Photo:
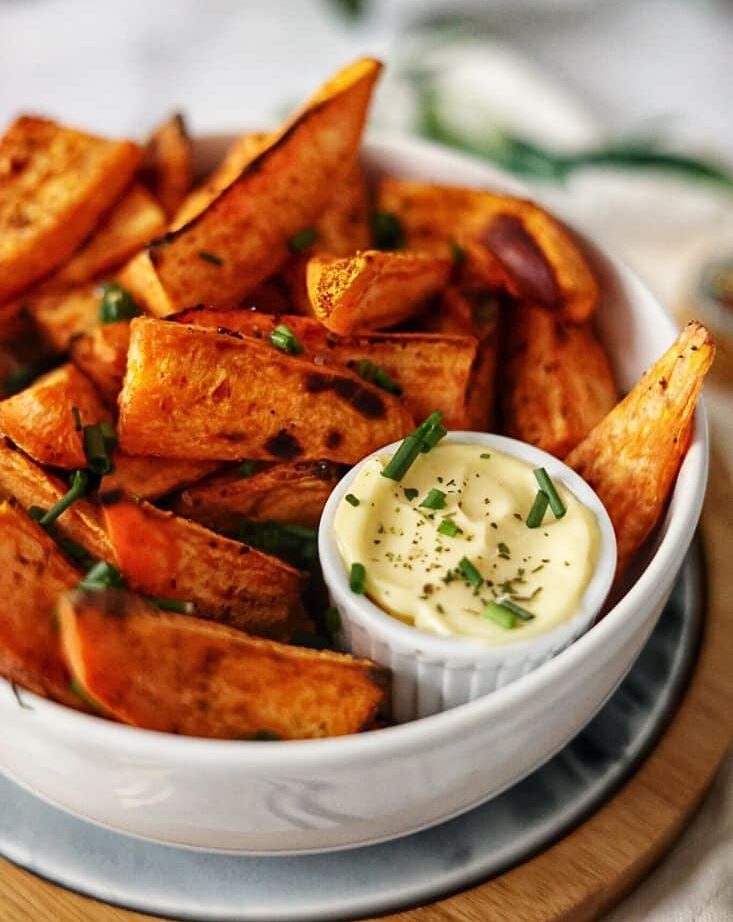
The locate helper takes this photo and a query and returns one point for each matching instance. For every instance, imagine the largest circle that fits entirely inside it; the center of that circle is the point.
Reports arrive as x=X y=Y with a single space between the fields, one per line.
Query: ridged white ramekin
x=431 y=673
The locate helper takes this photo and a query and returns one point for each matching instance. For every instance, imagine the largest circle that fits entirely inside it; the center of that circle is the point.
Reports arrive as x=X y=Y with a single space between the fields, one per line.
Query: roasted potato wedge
x=535 y=255
x=151 y=478
x=373 y=289
x=31 y=485
x=631 y=458
x=557 y=382
x=192 y=392
x=168 y=164
x=101 y=353
x=33 y=575
x=434 y=372
x=183 y=675
x=242 y=237
x=60 y=316
x=39 y=419
x=163 y=555
x=55 y=185
x=290 y=493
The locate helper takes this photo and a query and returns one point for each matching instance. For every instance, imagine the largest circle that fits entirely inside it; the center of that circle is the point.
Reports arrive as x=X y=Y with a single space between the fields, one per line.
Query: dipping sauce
x=438 y=566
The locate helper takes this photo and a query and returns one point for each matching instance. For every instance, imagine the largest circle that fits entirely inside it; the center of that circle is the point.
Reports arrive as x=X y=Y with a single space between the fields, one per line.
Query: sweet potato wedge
x=373 y=289
x=141 y=280
x=55 y=184
x=168 y=164
x=291 y=493
x=192 y=392
x=33 y=575
x=101 y=354
x=183 y=675
x=435 y=372
x=151 y=478
x=61 y=315
x=540 y=259
x=244 y=233
x=31 y=485
x=631 y=458
x=40 y=420
x=557 y=382
x=163 y=555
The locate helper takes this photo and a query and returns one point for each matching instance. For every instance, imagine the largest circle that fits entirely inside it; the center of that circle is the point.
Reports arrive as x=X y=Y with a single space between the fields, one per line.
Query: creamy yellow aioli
x=411 y=569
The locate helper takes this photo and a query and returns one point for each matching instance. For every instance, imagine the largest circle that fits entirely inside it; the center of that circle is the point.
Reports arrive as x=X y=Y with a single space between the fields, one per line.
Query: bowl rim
x=455 y=648
x=420 y=734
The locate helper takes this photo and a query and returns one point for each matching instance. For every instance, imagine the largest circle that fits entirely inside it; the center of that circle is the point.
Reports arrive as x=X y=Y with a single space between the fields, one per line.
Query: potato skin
x=101 y=354
x=151 y=478
x=163 y=555
x=195 y=393
x=534 y=255
x=28 y=483
x=33 y=574
x=182 y=675
x=290 y=493
x=373 y=289
x=433 y=370
x=168 y=164
x=558 y=382
x=632 y=457
x=281 y=192
x=39 y=419
x=55 y=185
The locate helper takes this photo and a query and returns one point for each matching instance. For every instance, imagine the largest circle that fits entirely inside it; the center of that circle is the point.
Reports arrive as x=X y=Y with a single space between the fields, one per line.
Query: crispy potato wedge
x=55 y=184
x=31 y=485
x=192 y=392
x=557 y=383
x=245 y=231
x=101 y=354
x=151 y=478
x=33 y=575
x=244 y=150
x=133 y=221
x=373 y=289
x=183 y=675
x=39 y=419
x=434 y=371
x=163 y=555
x=168 y=164
x=631 y=458
x=290 y=493
x=59 y=316
x=141 y=280
x=538 y=257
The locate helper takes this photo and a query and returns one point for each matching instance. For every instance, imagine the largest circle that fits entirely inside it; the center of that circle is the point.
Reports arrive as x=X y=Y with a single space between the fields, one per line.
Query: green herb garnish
x=546 y=484
x=117 y=304
x=294 y=543
x=211 y=258
x=357 y=578
x=102 y=576
x=448 y=527
x=302 y=240
x=425 y=437
x=470 y=573
x=387 y=231
x=537 y=512
x=99 y=443
x=332 y=621
x=499 y=615
x=410 y=493
x=485 y=455
x=176 y=605
x=351 y=499
x=376 y=375
x=79 y=484
x=282 y=337
x=503 y=550
x=517 y=610
x=434 y=500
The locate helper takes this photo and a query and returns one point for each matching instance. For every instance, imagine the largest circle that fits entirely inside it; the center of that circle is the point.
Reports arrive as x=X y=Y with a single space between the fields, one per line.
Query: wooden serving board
x=592 y=868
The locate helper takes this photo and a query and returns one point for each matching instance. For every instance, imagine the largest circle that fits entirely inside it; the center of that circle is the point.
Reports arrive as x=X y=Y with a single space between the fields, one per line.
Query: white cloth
x=119 y=66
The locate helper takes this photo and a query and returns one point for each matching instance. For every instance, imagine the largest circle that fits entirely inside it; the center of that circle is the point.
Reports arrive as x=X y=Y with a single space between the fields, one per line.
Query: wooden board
x=590 y=870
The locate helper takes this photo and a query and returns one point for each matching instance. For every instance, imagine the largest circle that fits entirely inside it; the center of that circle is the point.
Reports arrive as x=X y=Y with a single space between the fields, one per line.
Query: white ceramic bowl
x=320 y=794
x=431 y=673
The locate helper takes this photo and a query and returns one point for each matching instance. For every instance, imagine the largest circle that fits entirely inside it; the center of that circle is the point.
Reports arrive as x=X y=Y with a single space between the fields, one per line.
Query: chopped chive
x=517 y=610
x=79 y=483
x=410 y=493
x=294 y=543
x=500 y=615
x=117 y=304
x=357 y=578
x=503 y=550
x=425 y=437
x=537 y=512
x=176 y=605
x=332 y=620
x=282 y=337
x=458 y=253
x=301 y=638
x=546 y=484
x=246 y=468
x=302 y=240
x=470 y=573
x=448 y=527
x=211 y=258
x=99 y=441
x=485 y=455
x=434 y=500
x=351 y=499
x=102 y=576
x=77 y=419
x=36 y=512
x=266 y=736
x=73 y=550
x=376 y=375
x=387 y=231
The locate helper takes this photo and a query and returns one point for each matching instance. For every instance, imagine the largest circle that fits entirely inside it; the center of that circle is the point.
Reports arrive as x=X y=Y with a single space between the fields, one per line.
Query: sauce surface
x=413 y=570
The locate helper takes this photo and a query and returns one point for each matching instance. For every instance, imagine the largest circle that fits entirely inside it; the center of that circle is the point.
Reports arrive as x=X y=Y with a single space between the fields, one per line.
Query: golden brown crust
x=168 y=165
x=101 y=353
